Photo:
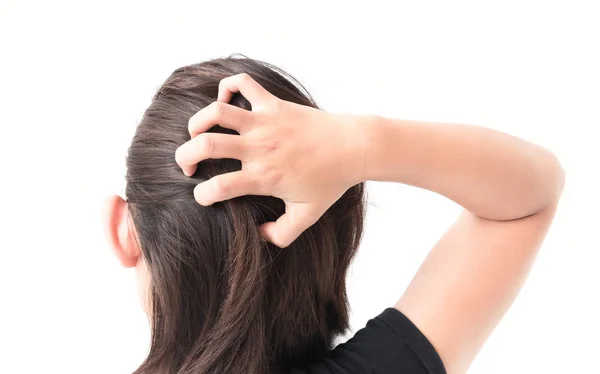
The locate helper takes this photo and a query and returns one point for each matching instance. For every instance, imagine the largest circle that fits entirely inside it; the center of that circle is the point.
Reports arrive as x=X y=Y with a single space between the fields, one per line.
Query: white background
x=76 y=78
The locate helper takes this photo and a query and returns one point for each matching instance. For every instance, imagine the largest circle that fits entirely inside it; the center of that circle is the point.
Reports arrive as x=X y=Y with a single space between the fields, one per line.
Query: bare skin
x=509 y=189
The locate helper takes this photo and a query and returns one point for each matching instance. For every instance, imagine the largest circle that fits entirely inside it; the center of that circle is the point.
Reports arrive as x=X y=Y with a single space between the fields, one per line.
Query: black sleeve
x=389 y=343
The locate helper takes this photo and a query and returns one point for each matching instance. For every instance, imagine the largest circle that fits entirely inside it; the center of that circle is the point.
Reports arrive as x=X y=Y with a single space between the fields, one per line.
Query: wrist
x=360 y=132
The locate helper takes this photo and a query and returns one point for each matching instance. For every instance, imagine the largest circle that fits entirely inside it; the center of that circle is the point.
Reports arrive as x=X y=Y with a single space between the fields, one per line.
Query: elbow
x=554 y=182
x=549 y=185
x=558 y=180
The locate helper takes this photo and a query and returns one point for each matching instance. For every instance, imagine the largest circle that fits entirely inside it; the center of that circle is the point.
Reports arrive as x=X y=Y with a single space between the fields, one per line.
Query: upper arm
x=469 y=280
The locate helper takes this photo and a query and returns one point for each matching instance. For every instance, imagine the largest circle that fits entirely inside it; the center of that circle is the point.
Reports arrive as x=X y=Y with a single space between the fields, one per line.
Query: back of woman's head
x=222 y=299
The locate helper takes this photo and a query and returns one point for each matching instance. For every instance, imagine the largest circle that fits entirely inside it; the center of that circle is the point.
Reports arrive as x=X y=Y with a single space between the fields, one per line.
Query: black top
x=390 y=343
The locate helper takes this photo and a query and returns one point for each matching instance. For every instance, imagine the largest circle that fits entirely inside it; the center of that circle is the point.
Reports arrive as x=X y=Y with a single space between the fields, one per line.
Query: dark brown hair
x=223 y=300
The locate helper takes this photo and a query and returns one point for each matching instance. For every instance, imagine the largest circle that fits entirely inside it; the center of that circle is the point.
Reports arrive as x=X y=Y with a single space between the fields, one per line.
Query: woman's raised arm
x=509 y=188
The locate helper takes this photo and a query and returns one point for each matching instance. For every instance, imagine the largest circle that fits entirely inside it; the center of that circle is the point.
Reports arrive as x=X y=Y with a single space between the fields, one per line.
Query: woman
x=244 y=210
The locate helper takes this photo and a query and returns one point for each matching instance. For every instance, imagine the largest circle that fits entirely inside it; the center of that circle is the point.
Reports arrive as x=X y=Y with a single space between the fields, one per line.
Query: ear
x=120 y=235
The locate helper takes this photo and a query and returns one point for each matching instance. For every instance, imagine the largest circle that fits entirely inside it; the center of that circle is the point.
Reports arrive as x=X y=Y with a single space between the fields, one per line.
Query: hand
x=302 y=155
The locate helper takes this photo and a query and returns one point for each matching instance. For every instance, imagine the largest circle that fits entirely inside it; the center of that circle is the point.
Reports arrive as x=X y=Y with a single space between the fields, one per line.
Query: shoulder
x=389 y=343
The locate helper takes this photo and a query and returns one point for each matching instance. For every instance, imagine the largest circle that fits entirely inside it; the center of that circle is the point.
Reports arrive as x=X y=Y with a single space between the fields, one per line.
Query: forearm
x=492 y=174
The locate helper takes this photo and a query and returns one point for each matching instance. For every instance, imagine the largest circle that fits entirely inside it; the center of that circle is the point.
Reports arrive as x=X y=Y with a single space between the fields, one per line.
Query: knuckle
x=218 y=108
x=207 y=144
x=265 y=178
x=270 y=145
x=282 y=242
x=275 y=104
x=245 y=77
x=272 y=178
x=262 y=169
x=221 y=187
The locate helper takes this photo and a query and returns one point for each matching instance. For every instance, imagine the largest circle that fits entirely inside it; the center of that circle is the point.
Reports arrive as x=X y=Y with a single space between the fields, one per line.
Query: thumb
x=295 y=220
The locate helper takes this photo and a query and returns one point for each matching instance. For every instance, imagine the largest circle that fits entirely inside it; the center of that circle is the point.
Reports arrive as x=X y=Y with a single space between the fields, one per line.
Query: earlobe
x=115 y=219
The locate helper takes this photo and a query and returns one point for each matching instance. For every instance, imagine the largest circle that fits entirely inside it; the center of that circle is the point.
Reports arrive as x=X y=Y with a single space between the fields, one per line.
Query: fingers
x=226 y=186
x=289 y=226
x=244 y=84
x=218 y=113
x=209 y=145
